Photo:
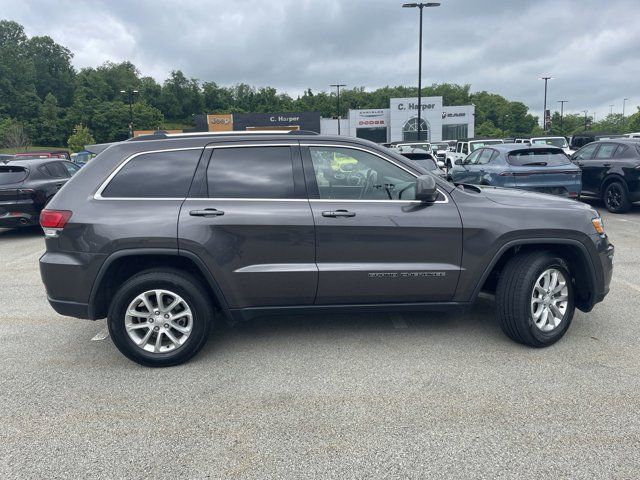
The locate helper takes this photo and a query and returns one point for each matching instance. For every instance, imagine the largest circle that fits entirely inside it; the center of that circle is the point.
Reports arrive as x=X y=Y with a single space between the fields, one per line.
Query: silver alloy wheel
x=549 y=300
x=158 y=321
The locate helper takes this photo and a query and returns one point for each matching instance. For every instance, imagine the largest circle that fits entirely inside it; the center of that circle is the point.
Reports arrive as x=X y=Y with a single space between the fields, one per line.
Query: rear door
x=248 y=218
x=374 y=242
x=595 y=169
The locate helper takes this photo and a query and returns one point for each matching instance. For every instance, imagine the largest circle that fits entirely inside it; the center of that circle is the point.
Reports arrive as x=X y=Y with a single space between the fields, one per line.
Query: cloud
x=590 y=47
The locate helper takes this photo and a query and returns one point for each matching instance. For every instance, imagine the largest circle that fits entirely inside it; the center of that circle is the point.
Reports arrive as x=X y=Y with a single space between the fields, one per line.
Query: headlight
x=598 y=225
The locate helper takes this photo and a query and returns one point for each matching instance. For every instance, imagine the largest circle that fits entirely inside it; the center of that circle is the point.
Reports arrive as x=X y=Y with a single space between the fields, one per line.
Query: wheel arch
x=609 y=179
x=123 y=264
x=572 y=251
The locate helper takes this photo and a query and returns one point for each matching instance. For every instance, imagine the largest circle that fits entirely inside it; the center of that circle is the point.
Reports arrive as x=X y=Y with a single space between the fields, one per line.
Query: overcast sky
x=591 y=47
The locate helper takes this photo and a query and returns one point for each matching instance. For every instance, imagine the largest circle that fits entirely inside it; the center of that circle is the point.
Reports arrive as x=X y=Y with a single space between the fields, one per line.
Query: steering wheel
x=355 y=179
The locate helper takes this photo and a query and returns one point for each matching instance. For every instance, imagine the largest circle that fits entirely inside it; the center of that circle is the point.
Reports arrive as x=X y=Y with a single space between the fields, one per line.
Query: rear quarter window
x=12 y=174
x=155 y=175
x=538 y=157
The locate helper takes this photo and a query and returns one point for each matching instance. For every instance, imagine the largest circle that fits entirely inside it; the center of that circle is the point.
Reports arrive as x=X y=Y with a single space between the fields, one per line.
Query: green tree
x=15 y=136
x=80 y=138
x=633 y=122
x=53 y=72
x=48 y=131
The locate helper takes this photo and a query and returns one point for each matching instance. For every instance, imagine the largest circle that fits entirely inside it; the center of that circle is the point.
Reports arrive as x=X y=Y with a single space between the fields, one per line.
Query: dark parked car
x=579 y=140
x=543 y=169
x=611 y=171
x=158 y=235
x=425 y=162
x=27 y=185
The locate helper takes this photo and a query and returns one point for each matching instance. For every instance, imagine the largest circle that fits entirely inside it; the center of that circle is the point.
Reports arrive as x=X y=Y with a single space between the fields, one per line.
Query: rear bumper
x=68 y=278
x=16 y=214
x=70 y=309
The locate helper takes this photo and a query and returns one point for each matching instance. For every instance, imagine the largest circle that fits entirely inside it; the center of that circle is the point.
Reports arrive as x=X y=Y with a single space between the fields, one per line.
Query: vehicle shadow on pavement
x=283 y=331
x=23 y=232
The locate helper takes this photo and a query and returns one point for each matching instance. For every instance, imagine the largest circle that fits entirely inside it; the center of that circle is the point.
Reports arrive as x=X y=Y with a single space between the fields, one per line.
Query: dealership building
x=400 y=121
x=397 y=123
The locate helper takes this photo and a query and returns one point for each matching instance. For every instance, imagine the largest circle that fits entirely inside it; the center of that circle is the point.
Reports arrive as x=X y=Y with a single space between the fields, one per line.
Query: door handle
x=207 y=212
x=59 y=185
x=606 y=164
x=338 y=213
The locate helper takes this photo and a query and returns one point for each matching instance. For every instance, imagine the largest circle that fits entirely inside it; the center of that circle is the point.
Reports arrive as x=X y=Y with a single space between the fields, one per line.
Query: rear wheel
x=534 y=299
x=160 y=318
x=616 y=197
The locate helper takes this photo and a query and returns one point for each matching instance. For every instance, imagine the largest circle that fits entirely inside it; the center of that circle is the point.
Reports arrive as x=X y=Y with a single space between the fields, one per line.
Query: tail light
x=54 y=219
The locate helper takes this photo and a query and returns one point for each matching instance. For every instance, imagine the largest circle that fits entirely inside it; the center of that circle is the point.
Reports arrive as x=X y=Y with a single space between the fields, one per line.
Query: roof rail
x=160 y=134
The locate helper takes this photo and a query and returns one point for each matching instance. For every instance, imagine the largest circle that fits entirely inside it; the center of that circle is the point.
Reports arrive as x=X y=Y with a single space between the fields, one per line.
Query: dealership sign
x=370 y=118
x=414 y=106
x=450 y=115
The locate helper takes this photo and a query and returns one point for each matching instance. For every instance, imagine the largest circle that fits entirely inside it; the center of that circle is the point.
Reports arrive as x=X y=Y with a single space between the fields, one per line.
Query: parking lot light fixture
x=544 y=111
x=420 y=6
x=585 y=119
x=337 y=86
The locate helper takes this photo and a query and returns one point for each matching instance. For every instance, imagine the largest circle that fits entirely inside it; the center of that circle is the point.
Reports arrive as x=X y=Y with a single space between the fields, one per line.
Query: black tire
x=176 y=281
x=616 y=197
x=513 y=298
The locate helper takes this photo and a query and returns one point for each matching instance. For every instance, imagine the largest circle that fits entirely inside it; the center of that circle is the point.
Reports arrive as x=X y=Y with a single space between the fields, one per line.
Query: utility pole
x=624 y=100
x=130 y=94
x=337 y=86
x=562 y=102
x=611 y=109
x=420 y=6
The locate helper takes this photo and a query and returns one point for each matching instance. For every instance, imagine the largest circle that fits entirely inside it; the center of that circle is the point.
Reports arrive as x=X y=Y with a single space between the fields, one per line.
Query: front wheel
x=160 y=318
x=535 y=299
x=616 y=197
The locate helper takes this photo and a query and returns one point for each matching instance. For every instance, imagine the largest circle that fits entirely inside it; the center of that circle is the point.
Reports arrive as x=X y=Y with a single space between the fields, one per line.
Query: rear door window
x=12 y=174
x=541 y=157
x=71 y=168
x=251 y=172
x=155 y=175
x=606 y=151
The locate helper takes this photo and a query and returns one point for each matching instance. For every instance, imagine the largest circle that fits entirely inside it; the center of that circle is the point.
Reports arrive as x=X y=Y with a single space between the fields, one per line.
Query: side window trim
x=107 y=181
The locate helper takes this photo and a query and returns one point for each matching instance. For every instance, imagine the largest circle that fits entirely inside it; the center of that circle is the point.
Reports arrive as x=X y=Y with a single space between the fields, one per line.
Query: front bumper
x=606 y=252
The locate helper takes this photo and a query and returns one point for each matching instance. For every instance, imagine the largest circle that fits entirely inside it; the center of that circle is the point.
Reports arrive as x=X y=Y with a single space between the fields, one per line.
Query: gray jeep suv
x=160 y=233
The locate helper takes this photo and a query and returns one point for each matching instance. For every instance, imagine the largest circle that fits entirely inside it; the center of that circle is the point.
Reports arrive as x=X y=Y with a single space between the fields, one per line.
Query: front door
x=589 y=167
x=249 y=220
x=374 y=242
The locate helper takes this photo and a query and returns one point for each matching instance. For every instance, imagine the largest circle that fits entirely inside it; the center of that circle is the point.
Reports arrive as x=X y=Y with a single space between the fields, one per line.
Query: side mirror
x=440 y=164
x=426 y=189
x=458 y=161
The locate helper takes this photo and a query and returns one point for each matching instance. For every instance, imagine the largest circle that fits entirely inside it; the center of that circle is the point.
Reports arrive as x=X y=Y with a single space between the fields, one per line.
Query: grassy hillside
x=30 y=149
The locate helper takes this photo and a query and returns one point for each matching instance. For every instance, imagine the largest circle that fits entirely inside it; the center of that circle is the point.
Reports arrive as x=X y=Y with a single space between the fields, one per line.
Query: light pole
x=544 y=111
x=130 y=95
x=611 y=109
x=562 y=102
x=337 y=86
x=585 y=119
x=624 y=100
x=420 y=6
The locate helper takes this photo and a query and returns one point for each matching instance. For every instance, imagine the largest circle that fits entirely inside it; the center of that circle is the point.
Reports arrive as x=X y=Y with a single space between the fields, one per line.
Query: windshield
x=440 y=146
x=476 y=145
x=82 y=158
x=559 y=142
x=540 y=157
x=12 y=174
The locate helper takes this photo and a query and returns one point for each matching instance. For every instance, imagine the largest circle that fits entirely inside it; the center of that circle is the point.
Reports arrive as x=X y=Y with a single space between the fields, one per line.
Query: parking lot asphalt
x=368 y=396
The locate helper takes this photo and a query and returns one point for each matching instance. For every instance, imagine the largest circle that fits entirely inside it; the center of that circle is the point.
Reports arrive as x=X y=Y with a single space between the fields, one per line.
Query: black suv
x=158 y=234
x=611 y=171
x=27 y=185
